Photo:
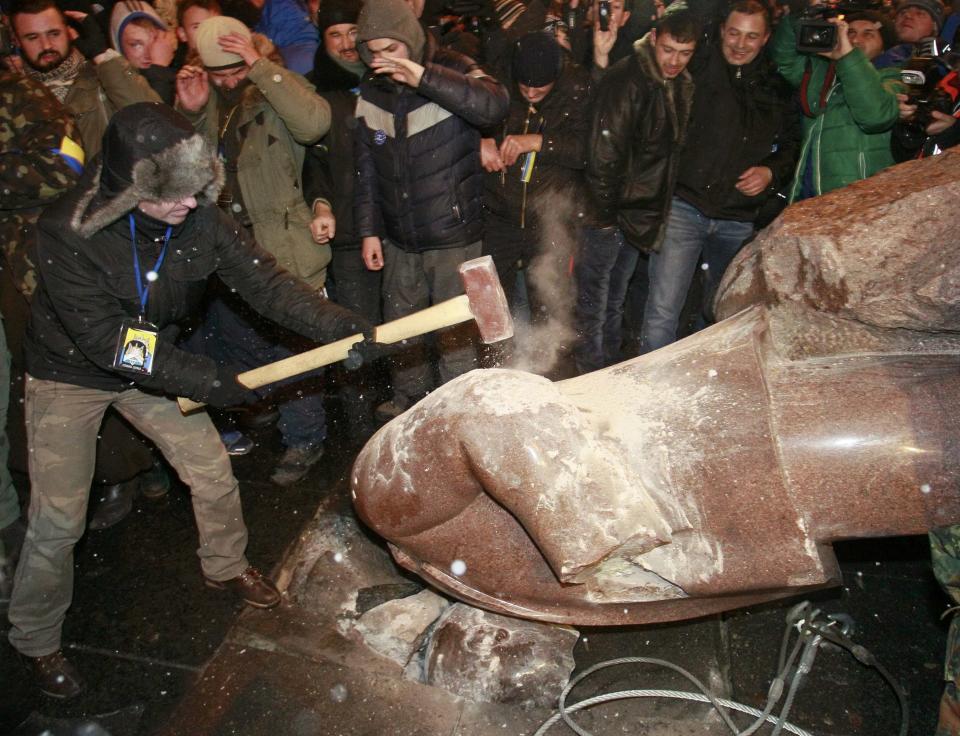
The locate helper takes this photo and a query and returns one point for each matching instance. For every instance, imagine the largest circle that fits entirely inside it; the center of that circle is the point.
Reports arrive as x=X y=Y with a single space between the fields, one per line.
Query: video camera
x=922 y=74
x=816 y=34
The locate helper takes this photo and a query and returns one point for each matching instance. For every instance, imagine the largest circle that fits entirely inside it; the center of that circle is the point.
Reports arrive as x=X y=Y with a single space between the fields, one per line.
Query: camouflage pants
x=945 y=555
x=62 y=423
x=9 y=504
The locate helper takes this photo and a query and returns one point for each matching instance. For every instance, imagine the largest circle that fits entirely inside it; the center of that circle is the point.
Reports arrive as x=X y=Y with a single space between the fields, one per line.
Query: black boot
x=114 y=503
x=155 y=482
x=258 y=416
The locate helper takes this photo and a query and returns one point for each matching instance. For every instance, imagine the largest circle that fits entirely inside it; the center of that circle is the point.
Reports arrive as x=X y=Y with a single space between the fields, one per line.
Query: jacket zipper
x=820 y=118
x=523 y=198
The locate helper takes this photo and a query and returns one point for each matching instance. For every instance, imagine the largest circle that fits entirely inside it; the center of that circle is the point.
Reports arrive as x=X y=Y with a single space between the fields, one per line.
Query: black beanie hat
x=150 y=152
x=335 y=12
x=537 y=59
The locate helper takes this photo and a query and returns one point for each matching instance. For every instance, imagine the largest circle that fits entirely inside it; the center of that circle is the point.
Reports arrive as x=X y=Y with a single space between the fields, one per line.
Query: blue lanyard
x=144 y=291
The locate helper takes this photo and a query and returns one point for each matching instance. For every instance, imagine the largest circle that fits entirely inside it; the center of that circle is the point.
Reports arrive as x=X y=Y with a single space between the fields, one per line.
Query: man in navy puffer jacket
x=420 y=179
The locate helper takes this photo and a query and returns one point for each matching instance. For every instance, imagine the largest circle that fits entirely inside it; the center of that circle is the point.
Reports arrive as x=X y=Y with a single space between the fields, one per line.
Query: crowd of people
x=196 y=188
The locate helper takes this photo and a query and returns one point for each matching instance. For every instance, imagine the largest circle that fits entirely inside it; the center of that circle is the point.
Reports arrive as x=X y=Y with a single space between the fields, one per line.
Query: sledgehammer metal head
x=488 y=303
x=483 y=301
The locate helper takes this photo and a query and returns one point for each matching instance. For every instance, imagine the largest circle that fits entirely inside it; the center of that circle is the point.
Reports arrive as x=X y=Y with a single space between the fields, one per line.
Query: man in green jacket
x=849 y=109
x=261 y=117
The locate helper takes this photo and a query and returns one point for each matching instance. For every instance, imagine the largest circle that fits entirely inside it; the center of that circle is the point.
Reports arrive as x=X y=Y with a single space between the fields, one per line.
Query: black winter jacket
x=743 y=116
x=329 y=171
x=418 y=153
x=87 y=289
x=563 y=119
x=639 y=123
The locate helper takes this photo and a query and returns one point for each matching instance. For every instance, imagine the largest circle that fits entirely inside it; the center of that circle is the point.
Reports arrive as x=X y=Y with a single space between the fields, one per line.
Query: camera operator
x=917 y=135
x=849 y=106
x=603 y=39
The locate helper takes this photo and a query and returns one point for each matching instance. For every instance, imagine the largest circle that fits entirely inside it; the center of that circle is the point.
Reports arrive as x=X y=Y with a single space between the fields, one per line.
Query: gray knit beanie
x=390 y=19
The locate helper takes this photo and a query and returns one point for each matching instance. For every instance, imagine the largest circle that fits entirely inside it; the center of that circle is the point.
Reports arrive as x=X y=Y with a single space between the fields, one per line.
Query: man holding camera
x=741 y=146
x=849 y=108
x=603 y=41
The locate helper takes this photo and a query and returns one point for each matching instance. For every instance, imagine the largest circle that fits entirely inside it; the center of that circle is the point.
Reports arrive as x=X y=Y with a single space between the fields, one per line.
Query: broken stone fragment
x=394 y=629
x=489 y=658
x=376 y=595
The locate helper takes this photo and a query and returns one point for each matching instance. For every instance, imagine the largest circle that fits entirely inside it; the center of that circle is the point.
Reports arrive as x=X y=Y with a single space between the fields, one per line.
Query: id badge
x=136 y=347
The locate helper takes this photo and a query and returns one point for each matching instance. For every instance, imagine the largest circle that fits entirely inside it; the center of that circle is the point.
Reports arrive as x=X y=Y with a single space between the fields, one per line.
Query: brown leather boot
x=54 y=675
x=251 y=586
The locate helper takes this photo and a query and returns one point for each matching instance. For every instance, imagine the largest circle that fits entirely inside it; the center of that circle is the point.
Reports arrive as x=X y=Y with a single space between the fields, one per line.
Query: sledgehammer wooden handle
x=446 y=314
x=292 y=366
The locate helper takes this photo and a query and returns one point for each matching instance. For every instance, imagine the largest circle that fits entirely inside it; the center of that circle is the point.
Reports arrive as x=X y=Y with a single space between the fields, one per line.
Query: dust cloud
x=539 y=344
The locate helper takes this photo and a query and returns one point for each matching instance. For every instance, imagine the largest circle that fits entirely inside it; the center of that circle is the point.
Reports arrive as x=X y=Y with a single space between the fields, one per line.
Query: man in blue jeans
x=640 y=118
x=741 y=147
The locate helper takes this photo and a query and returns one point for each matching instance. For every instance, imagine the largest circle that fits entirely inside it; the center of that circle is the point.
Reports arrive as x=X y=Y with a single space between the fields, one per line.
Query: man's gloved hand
x=226 y=391
x=365 y=352
x=90 y=41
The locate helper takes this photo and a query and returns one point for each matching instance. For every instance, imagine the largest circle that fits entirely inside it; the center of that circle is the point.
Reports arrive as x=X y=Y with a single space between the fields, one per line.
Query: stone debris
x=488 y=658
x=395 y=629
x=376 y=595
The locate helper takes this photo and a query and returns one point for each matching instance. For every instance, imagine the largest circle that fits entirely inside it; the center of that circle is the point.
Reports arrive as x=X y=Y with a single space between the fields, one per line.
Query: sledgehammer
x=483 y=300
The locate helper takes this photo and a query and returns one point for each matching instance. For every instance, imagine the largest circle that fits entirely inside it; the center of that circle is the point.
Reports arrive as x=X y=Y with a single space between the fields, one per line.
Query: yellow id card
x=136 y=347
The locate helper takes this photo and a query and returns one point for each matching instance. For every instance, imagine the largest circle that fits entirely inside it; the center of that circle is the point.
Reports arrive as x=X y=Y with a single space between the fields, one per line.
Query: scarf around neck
x=58 y=80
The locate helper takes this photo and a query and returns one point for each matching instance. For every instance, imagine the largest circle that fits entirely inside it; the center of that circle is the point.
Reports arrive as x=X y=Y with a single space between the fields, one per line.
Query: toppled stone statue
x=716 y=472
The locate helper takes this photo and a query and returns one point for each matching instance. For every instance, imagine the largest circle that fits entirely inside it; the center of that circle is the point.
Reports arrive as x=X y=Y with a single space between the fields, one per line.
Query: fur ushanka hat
x=150 y=152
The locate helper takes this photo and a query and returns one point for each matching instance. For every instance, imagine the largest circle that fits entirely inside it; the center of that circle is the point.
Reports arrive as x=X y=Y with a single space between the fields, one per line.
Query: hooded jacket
x=127 y=10
x=417 y=150
x=639 y=124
